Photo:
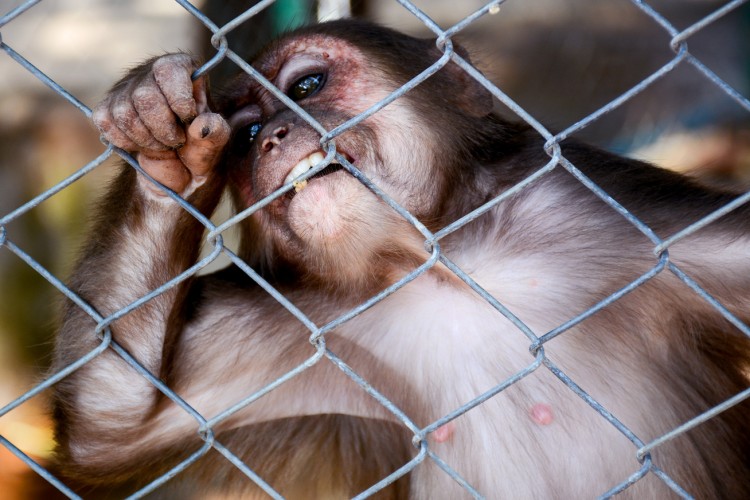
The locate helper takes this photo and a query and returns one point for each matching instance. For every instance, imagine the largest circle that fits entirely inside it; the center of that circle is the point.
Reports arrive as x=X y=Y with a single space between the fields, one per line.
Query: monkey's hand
x=161 y=116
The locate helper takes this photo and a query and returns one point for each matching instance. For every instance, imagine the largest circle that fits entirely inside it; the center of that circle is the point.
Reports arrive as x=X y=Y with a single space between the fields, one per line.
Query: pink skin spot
x=541 y=413
x=444 y=432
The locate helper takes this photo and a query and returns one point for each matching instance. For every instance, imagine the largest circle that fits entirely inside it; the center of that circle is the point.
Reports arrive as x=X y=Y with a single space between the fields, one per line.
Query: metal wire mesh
x=678 y=42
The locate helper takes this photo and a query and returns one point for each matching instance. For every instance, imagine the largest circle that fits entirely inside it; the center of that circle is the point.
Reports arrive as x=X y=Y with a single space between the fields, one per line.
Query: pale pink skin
x=541 y=413
x=444 y=432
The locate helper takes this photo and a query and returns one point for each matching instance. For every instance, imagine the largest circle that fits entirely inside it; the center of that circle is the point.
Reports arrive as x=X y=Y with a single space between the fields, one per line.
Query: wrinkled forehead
x=273 y=57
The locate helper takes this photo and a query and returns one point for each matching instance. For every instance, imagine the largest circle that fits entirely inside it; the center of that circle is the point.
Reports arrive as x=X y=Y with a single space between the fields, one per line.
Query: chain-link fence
x=677 y=39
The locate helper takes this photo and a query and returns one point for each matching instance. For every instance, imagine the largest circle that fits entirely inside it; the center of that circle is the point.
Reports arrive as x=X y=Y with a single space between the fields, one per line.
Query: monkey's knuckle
x=172 y=65
x=145 y=97
x=124 y=116
x=101 y=117
x=179 y=58
x=124 y=119
x=143 y=92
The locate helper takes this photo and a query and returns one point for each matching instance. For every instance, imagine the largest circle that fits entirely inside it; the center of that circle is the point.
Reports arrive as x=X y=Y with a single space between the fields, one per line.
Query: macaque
x=655 y=358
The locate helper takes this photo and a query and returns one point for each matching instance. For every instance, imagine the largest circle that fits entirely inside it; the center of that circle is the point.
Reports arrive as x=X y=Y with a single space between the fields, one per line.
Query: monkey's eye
x=306 y=86
x=251 y=132
x=245 y=137
x=247 y=134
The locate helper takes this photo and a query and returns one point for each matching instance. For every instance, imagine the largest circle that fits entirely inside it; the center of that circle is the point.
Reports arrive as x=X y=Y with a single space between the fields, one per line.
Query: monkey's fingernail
x=205 y=131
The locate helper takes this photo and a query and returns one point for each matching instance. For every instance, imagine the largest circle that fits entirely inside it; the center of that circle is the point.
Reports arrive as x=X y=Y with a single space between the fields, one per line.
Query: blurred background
x=559 y=59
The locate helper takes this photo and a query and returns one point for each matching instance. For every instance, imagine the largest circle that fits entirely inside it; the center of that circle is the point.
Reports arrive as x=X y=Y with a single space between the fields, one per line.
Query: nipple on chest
x=541 y=413
x=444 y=432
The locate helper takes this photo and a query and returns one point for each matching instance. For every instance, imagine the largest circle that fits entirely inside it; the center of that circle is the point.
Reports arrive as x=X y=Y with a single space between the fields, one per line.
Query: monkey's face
x=331 y=222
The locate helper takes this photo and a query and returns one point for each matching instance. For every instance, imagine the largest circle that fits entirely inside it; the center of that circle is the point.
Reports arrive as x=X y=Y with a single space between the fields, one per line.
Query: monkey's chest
x=458 y=367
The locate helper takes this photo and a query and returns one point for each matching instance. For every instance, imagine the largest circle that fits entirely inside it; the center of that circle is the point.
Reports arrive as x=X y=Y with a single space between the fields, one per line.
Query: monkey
x=464 y=326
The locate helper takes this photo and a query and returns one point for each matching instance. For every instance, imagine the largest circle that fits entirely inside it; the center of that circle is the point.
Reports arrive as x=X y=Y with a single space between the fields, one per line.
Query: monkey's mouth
x=304 y=166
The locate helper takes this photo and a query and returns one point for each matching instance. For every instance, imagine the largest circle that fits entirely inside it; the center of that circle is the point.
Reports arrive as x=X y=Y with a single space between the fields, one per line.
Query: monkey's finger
x=127 y=120
x=200 y=94
x=165 y=167
x=106 y=124
x=172 y=73
x=206 y=138
x=154 y=111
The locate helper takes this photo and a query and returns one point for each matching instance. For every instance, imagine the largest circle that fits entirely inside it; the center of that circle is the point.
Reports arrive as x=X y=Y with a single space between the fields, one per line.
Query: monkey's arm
x=112 y=423
x=140 y=240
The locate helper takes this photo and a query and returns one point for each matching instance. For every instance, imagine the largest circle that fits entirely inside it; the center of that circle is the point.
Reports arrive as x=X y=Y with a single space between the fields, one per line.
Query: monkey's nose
x=274 y=139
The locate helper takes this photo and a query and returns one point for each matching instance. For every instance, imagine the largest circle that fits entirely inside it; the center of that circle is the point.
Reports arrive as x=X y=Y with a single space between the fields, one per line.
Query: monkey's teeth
x=300 y=168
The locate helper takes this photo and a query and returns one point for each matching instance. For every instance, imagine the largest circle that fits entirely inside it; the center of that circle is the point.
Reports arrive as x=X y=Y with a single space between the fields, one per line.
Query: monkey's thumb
x=206 y=138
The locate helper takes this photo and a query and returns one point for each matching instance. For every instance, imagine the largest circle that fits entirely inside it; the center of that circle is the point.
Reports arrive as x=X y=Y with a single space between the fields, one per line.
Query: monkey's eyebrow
x=244 y=115
x=242 y=92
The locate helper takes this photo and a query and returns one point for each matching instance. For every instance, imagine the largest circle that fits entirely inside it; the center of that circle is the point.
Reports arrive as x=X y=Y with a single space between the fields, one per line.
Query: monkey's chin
x=334 y=212
x=327 y=209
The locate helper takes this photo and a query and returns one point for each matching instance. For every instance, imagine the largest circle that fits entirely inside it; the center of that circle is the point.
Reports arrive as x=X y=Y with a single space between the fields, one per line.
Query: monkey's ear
x=470 y=95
